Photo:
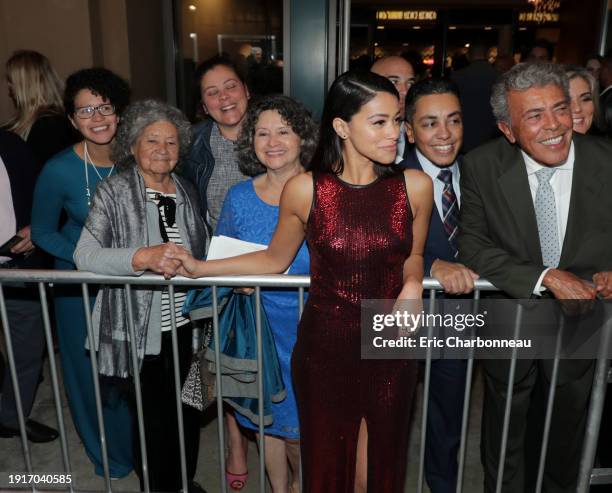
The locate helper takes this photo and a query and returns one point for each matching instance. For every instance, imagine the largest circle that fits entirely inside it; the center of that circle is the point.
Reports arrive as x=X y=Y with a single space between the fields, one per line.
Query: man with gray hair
x=535 y=221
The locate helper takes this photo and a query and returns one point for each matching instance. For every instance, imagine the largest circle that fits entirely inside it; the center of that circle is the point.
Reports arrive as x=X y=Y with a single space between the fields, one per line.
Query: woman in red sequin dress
x=366 y=224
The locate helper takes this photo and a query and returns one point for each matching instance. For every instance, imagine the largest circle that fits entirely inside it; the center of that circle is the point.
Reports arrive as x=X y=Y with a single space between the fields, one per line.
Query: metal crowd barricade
x=41 y=278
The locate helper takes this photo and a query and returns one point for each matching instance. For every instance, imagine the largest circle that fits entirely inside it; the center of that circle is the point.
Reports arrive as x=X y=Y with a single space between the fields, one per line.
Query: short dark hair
x=346 y=96
x=541 y=43
x=427 y=87
x=101 y=82
x=215 y=61
x=293 y=113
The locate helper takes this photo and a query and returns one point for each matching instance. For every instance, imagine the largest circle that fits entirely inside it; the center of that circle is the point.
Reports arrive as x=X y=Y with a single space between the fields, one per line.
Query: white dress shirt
x=561 y=183
x=438 y=185
x=8 y=223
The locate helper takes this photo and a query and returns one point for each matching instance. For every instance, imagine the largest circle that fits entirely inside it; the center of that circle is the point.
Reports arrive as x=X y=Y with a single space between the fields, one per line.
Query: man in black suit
x=18 y=171
x=434 y=125
x=605 y=97
x=535 y=217
x=475 y=83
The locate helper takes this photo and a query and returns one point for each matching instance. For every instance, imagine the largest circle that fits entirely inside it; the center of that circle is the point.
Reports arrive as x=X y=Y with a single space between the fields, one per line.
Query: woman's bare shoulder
x=300 y=185
x=417 y=177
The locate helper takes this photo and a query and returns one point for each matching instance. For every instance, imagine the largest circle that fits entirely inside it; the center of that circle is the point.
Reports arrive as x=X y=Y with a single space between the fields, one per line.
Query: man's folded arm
x=477 y=251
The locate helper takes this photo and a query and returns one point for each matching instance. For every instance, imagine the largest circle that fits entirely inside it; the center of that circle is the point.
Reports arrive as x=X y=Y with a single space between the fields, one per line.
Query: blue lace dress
x=246 y=217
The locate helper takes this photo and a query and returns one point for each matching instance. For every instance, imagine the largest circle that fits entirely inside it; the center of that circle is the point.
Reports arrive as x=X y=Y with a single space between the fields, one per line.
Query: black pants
x=28 y=337
x=160 y=418
x=446 y=394
x=530 y=394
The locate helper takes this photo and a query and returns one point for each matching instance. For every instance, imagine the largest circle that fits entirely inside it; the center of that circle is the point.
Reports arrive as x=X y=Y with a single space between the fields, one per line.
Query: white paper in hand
x=225 y=247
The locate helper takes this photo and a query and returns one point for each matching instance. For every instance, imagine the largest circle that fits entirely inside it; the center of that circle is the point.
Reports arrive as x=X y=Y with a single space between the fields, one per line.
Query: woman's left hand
x=25 y=245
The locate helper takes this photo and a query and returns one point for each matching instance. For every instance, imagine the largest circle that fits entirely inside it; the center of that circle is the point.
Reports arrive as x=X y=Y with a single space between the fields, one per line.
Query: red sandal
x=236 y=481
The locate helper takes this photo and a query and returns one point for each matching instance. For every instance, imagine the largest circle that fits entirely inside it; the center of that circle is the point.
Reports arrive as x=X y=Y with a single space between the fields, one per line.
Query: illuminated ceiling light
x=193 y=35
x=192 y=7
x=375 y=44
x=380 y=27
x=467 y=45
x=416 y=27
x=522 y=29
x=488 y=28
x=452 y=28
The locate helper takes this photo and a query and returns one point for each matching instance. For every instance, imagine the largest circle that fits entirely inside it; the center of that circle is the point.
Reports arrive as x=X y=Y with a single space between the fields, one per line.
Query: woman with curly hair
x=278 y=137
x=93 y=100
x=134 y=216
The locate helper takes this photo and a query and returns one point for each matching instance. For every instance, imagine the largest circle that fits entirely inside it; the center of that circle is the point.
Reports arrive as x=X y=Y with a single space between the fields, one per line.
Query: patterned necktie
x=546 y=216
x=450 y=208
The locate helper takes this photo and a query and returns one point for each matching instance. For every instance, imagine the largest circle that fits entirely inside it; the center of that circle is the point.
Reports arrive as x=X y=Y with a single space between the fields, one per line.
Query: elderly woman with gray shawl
x=134 y=216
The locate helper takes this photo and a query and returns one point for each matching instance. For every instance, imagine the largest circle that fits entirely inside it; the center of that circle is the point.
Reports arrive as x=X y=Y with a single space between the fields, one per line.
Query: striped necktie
x=450 y=208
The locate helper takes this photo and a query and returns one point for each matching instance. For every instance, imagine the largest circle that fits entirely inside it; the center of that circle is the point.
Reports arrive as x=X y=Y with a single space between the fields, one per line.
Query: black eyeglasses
x=86 y=112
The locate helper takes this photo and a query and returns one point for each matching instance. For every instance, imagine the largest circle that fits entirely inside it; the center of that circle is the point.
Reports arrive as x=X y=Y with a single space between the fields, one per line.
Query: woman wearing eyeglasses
x=93 y=100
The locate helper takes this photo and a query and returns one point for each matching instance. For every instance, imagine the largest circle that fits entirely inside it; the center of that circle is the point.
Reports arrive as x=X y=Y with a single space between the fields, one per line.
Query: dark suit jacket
x=22 y=169
x=436 y=245
x=498 y=233
x=475 y=83
x=605 y=110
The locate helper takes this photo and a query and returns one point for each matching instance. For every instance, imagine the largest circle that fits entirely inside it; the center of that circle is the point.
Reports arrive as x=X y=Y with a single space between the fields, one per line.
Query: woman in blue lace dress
x=278 y=136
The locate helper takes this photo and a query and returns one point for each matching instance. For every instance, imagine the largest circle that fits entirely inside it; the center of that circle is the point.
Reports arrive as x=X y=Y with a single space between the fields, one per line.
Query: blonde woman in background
x=584 y=100
x=36 y=91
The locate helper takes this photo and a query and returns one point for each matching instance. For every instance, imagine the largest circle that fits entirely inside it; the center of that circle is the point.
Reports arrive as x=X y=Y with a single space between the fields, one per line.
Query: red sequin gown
x=358 y=238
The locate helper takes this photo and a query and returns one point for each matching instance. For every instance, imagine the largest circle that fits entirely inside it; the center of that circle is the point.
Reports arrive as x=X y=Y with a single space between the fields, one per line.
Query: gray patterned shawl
x=117 y=219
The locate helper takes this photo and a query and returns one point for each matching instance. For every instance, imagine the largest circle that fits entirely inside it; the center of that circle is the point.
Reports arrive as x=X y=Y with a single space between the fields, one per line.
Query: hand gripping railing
x=43 y=277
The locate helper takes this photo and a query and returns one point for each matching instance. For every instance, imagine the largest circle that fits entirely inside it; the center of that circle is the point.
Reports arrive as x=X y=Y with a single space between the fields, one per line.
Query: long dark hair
x=346 y=96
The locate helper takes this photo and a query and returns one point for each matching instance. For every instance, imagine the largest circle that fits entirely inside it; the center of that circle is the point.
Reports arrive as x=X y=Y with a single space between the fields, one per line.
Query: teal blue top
x=61 y=185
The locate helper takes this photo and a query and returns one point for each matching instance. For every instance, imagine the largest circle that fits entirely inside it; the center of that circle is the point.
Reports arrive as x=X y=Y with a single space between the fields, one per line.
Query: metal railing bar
x=465 y=417
x=13 y=372
x=137 y=389
x=220 y=420
x=177 y=389
x=426 y=381
x=549 y=406
x=42 y=292
x=300 y=300
x=96 y=385
x=601 y=476
x=508 y=407
x=300 y=311
x=260 y=393
x=150 y=279
x=596 y=404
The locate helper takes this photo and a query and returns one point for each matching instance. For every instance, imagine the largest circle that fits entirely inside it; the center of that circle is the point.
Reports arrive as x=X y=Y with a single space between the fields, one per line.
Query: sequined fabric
x=359 y=238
